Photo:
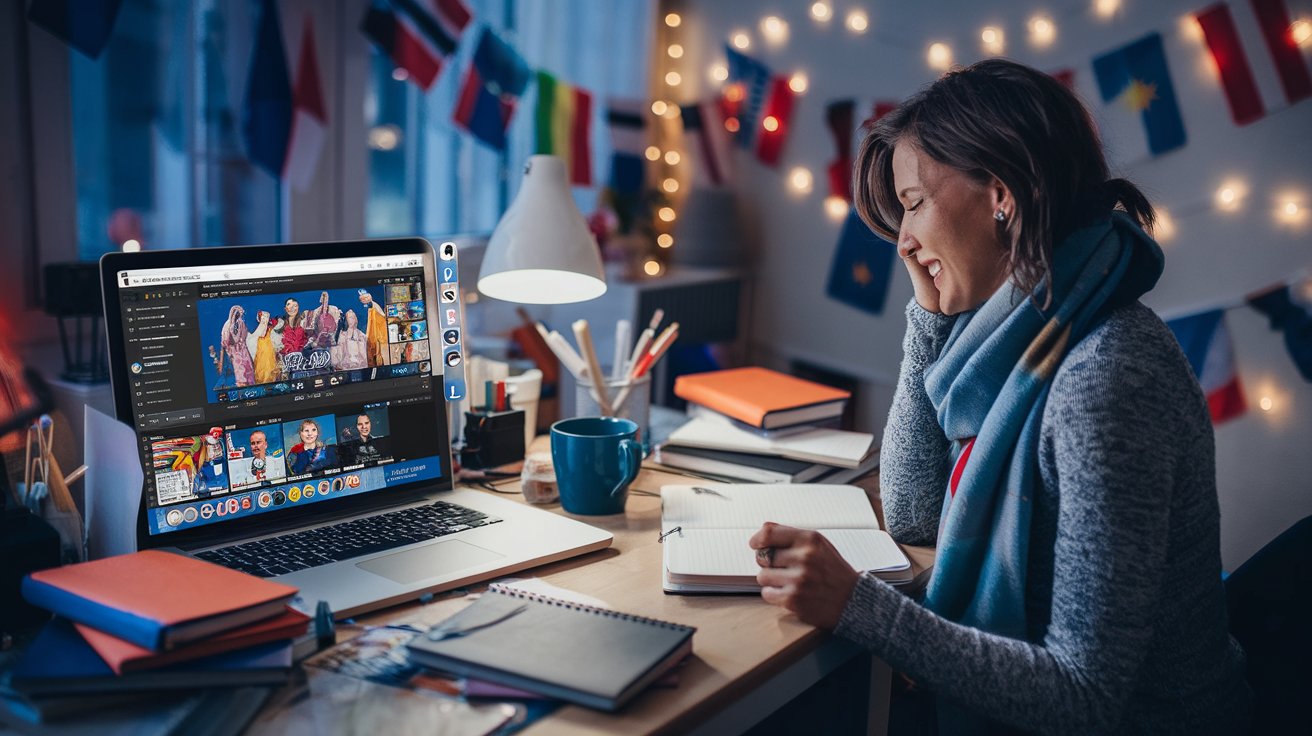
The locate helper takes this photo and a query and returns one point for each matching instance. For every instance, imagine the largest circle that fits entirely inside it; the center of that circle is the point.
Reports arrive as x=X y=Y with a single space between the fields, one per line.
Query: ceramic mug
x=596 y=458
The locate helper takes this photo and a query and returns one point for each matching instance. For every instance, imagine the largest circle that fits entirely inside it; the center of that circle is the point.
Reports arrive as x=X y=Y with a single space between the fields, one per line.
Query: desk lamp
x=542 y=251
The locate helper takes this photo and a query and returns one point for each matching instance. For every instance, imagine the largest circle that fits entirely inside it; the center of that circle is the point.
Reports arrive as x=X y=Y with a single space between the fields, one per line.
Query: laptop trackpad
x=427 y=562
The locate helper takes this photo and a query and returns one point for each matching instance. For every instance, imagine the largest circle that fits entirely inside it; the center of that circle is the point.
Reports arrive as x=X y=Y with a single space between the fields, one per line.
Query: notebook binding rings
x=529 y=596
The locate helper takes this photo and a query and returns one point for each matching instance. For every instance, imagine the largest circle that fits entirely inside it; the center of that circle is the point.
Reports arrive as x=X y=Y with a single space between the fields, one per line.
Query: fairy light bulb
x=822 y=12
x=1164 y=226
x=673 y=79
x=672 y=111
x=732 y=125
x=666 y=214
x=992 y=40
x=673 y=20
x=1106 y=8
x=741 y=40
x=652 y=268
x=719 y=72
x=1191 y=29
x=734 y=93
x=665 y=240
x=835 y=207
x=670 y=185
x=770 y=123
x=798 y=83
x=675 y=51
x=774 y=30
x=939 y=56
x=1266 y=403
x=1290 y=210
x=1301 y=31
x=800 y=180
x=653 y=153
x=658 y=107
x=672 y=158
x=858 y=21
x=1230 y=195
x=1042 y=31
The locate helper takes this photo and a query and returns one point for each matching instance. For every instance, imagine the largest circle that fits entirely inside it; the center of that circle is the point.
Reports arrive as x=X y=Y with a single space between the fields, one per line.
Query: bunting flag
x=1066 y=77
x=1242 y=91
x=627 y=121
x=1136 y=77
x=714 y=160
x=564 y=126
x=493 y=83
x=83 y=24
x=309 y=115
x=1206 y=344
x=268 y=114
x=750 y=78
x=840 y=117
x=862 y=266
x=776 y=122
x=417 y=35
x=1293 y=320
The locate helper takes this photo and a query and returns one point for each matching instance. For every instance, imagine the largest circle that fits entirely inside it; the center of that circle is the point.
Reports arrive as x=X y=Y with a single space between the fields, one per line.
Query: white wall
x=1263 y=466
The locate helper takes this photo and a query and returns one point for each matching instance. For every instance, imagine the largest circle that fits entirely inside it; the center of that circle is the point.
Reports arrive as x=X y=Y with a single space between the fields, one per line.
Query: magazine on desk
x=706 y=528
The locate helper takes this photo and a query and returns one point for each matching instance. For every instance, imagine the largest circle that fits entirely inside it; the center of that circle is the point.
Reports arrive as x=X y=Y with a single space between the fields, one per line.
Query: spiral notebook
x=590 y=656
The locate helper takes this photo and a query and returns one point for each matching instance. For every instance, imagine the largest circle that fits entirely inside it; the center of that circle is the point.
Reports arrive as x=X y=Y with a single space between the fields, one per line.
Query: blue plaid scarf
x=990 y=383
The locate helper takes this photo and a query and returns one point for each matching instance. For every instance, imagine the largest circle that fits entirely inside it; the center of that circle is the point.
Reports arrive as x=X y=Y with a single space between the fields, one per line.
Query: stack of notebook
x=149 y=627
x=761 y=426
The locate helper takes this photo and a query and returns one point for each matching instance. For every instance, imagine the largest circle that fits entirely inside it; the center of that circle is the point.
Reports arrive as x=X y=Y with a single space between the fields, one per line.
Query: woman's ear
x=1001 y=199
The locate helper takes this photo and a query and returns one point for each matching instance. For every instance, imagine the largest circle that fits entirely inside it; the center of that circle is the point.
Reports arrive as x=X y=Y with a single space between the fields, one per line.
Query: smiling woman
x=1046 y=434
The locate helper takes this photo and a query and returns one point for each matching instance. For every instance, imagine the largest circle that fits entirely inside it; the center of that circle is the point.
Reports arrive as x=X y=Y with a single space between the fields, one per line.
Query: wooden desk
x=748 y=659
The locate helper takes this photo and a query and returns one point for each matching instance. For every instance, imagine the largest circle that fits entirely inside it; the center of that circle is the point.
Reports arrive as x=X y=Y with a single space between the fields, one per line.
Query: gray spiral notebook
x=581 y=654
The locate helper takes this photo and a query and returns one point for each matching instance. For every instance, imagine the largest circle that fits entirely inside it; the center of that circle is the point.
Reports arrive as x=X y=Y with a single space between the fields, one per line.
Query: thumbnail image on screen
x=364 y=438
x=256 y=457
x=311 y=445
x=189 y=467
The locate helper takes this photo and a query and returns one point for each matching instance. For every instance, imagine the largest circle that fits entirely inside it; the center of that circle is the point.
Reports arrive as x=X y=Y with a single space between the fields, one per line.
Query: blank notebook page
x=724 y=552
x=748 y=506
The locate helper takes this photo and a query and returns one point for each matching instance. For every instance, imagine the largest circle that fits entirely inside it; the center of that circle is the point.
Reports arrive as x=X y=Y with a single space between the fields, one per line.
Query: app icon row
x=264 y=499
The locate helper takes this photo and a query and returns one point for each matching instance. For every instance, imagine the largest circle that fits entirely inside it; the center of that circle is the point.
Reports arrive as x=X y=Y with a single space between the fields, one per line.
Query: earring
x=1000 y=216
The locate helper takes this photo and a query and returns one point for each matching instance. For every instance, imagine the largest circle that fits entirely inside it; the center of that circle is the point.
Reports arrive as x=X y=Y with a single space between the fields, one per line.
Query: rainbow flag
x=564 y=126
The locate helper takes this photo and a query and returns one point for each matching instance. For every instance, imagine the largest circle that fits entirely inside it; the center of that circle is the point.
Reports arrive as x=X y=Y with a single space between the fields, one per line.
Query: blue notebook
x=60 y=662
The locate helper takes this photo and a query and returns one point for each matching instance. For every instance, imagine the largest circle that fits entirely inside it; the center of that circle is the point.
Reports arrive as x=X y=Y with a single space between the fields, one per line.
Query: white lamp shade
x=542 y=251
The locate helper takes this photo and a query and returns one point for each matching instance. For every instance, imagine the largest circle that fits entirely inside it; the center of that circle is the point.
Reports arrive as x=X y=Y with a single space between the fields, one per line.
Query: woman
x=292 y=333
x=375 y=329
x=1046 y=432
x=267 y=369
x=311 y=455
x=233 y=339
x=352 y=349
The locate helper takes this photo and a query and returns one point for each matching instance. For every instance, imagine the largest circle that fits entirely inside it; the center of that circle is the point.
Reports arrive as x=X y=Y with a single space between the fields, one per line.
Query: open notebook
x=709 y=551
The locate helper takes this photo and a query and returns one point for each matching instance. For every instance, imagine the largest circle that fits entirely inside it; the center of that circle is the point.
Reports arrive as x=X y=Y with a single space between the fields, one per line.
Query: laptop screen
x=259 y=388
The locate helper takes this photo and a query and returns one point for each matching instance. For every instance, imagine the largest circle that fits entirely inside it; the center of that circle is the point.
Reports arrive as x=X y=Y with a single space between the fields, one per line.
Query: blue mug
x=596 y=458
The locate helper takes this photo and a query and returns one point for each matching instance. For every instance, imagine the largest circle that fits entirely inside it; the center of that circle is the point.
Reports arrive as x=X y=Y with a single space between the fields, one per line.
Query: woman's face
x=292 y=306
x=948 y=228
x=351 y=319
x=310 y=434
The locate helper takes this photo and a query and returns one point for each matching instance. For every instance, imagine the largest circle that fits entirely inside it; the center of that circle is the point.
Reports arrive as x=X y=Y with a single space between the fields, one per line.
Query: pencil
x=584 y=337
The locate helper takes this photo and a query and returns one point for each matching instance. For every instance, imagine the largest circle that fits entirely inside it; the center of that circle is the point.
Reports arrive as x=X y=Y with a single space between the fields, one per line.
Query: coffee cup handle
x=630 y=463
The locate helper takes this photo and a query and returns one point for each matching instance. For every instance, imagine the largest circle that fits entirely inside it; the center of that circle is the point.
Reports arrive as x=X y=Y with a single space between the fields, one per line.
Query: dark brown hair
x=999 y=118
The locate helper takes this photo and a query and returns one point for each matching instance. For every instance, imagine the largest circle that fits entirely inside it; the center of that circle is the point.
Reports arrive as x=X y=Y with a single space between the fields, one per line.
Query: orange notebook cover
x=752 y=395
x=124 y=656
x=157 y=600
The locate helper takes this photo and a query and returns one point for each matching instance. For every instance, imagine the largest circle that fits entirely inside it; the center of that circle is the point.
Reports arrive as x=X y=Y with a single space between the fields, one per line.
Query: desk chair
x=1270 y=603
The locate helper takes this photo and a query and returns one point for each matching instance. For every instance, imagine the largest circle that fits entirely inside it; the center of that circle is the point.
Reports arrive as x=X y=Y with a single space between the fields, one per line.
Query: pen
x=645 y=362
x=584 y=337
x=623 y=332
x=644 y=342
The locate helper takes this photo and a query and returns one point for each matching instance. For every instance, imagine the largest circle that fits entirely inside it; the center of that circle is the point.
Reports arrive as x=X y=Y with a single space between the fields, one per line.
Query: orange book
x=155 y=599
x=762 y=398
x=124 y=656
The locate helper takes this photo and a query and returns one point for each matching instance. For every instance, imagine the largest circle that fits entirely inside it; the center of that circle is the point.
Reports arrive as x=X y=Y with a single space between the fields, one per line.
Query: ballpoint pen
x=645 y=362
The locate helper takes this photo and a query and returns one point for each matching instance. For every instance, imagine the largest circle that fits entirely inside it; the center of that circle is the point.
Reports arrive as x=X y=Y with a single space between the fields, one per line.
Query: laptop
x=290 y=404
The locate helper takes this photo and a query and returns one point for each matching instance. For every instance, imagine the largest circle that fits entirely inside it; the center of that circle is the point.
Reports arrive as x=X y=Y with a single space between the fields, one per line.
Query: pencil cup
x=636 y=406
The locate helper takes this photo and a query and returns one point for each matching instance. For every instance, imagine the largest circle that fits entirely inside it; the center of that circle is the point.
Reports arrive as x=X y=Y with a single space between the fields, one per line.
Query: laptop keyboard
x=320 y=546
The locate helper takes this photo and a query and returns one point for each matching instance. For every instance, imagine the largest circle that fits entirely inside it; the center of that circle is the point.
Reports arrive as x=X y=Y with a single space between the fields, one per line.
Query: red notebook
x=124 y=656
x=761 y=397
x=154 y=599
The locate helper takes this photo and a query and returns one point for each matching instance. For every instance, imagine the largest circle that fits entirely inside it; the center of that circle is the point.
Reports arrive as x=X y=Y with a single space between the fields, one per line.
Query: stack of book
x=150 y=629
x=761 y=426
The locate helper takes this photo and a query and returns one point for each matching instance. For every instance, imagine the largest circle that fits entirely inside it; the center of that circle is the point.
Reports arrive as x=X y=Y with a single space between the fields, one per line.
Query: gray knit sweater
x=1125 y=606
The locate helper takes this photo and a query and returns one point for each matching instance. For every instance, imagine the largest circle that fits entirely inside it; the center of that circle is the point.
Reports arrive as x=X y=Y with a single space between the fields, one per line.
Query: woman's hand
x=802 y=572
x=921 y=281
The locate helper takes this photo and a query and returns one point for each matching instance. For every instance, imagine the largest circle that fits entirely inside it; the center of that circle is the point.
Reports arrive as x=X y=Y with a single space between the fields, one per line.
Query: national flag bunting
x=417 y=35
x=268 y=114
x=751 y=78
x=627 y=120
x=776 y=121
x=1206 y=344
x=840 y=117
x=1136 y=77
x=564 y=126
x=1238 y=78
x=83 y=24
x=703 y=120
x=1293 y=320
x=862 y=266
x=493 y=83
x=309 y=127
